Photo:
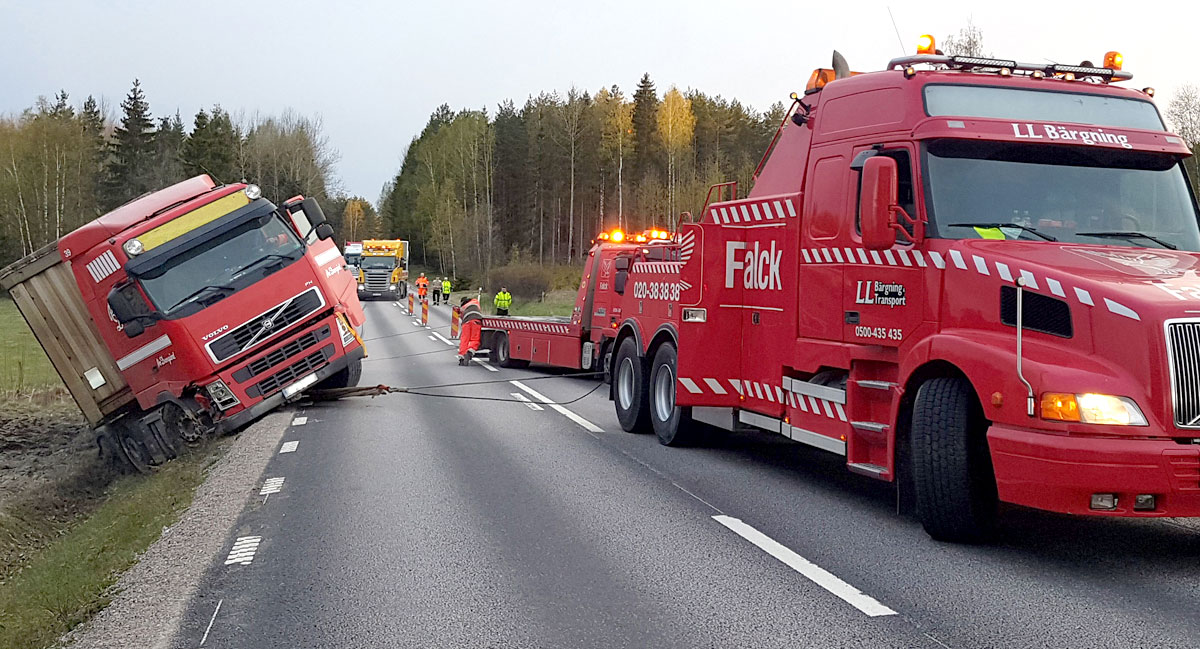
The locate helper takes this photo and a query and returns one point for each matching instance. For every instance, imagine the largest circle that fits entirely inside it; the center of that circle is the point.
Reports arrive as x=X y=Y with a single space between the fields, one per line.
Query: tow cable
x=334 y=394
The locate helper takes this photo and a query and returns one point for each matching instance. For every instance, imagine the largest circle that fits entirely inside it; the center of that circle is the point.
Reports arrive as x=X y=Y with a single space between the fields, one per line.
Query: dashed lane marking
x=812 y=571
x=587 y=425
x=299 y=421
x=485 y=364
x=289 y=447
x=210 y=622
x=271 y=486
x=433 y=338
x=243 y=550
x=524 y=399
x=444 y=339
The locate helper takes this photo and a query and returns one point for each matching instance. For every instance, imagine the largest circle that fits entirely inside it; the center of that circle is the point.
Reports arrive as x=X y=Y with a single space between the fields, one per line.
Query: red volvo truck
x=192 y=310
x=974 y=276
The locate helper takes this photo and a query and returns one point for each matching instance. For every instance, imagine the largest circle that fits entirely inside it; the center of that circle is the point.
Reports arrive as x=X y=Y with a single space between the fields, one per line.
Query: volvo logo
x=267 y=324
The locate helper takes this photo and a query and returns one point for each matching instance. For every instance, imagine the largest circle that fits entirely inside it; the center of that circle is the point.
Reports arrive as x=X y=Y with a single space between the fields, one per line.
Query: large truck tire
x=631 y=389
x=672 y=424
x=502 y=357
x=133 y=446
x=347 y=377
x=952 y=469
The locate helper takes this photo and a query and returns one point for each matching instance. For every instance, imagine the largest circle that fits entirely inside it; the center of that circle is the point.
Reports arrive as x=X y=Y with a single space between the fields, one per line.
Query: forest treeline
x=537 y=182
x=63 y=165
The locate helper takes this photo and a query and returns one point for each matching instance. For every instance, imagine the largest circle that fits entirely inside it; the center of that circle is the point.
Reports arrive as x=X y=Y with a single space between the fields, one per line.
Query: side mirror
x=878 y=203
x=312 y=209
x=324 y=231
x=130 y=309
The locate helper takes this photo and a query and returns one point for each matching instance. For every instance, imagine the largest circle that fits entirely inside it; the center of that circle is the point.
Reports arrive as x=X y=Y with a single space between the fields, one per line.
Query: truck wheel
x=672 y=424
x=133 y=448
x=952 y=470
x=500 y=344
x=347 y=377
x=631 y=389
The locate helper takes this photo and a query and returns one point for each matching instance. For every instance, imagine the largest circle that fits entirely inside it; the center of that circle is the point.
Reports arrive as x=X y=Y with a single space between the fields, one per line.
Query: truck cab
x=383 y=271
x=216 y=306
x=979 y=273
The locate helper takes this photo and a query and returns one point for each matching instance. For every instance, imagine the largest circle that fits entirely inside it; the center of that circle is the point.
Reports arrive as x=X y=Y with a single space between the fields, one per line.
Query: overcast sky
x=373 y=71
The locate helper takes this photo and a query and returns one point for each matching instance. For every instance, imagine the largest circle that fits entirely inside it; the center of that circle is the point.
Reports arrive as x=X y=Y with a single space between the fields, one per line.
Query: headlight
x=1092 y=408
x=391 y=287
x=222 y=395
x=253 y=192
x=362 y=287
x=133 y=247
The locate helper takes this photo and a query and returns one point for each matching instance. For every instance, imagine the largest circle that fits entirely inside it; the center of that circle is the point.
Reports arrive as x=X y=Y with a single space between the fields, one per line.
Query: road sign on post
x=425 y=311
x=410 y=304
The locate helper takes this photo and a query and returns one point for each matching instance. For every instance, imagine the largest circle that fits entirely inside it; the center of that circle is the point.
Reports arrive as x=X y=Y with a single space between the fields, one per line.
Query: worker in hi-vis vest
x=446 y=289
x=472 y=319
x=502 y=301
x=422 y=286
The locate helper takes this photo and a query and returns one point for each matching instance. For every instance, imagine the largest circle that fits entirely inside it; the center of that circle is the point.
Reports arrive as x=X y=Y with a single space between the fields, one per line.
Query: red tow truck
x=974 y=276
x=191 y=310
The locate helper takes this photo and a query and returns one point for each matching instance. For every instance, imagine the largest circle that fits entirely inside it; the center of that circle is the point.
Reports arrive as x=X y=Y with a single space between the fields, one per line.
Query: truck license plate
x=299 y=386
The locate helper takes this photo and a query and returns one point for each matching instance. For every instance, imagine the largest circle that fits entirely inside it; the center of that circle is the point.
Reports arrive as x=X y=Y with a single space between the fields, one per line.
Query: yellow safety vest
x=503 y=300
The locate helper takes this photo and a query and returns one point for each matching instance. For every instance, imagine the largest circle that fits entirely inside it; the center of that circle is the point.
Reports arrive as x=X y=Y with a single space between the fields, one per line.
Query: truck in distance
x=189 y=311
x=353 y=254
x=384 y=269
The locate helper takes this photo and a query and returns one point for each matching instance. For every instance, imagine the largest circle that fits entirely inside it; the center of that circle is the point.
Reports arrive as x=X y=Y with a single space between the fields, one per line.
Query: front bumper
x=247 y=415
x=1060 y=472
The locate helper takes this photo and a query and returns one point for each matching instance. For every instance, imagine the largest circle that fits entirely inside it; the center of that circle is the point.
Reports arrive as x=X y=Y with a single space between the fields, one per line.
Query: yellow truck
x=383 y=272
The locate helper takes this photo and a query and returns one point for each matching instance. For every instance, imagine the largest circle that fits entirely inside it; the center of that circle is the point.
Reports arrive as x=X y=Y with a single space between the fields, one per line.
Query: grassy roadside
x=69 y=580
x=559 y=303
x=24 y=367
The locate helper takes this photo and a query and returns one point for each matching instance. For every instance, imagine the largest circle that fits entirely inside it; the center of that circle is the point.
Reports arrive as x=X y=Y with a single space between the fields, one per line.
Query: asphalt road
x=420 y=521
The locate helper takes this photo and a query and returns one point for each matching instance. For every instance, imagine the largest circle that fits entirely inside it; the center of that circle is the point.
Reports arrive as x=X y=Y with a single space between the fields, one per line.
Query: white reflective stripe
x=840 y=411
x=770 y=397
x=849 y=255
x=779 y=209
x=1055 y=287
x=816 y=255
x=791 y=208
x=862 y=255
x=1121 y=309
x=715 y=386
x=828 y=410
x=145 y=351
x=891 y=260
x=936 y=257
x=904 y=257
x=956 y=256
x=800 y=401
x=980 y=265
x=1005 y=273
x=825 y=252
x=807 y=259
x=690 y=385
x=757 y=390
x=754 y=209
x=1030 y=280
x=737 y=386
x=779 y=393
x=919 y=257
x=816 y=405
x=745 y=214
x=1084 y=297
x=327 y=256
x=875 y=258
x=837 y=254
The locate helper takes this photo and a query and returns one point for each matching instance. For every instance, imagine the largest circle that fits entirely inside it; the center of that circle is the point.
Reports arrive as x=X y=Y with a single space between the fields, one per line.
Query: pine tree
x=130 y=170
x=212 y=147
x=168 y=151
x=645 y=127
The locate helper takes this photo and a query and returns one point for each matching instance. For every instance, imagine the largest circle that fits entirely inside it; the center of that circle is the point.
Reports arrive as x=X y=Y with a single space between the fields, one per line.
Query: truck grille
x=287 y=375
x=1183 y=354
x=277 y=357
x=261 y=327
x=377 y=281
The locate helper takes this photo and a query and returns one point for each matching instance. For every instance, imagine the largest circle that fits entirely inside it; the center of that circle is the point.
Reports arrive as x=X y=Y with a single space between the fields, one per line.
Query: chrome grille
x=265 y=325
x=282 y=378
x=1183 y=354
x=377 y=281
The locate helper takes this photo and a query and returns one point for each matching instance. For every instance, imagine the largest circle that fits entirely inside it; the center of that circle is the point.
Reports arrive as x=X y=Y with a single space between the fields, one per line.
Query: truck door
x=883 y=289
x=824 y=223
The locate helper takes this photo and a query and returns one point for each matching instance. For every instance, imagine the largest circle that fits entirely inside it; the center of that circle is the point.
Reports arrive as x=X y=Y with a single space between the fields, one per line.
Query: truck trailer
x=192 y=310
x=975 y=277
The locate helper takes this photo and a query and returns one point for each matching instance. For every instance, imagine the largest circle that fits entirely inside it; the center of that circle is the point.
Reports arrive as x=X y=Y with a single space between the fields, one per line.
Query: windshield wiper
x=200 y=291
x=1129 y=234
x=1018 y=226
x=273 y=256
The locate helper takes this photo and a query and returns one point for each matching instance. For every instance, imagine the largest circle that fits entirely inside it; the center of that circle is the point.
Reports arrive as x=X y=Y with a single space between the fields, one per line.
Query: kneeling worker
x=472 y=317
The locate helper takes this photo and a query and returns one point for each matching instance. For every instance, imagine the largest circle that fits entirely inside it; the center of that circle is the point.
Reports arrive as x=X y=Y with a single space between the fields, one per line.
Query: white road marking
x=271 y=486
x=299 y=421
x=416 y=323
x=587 y=425
x=243 y=550
x=210 y=622
x=289 y=447
x=444 y=339
x=433 y=338
x=524 y=399
x=484 y=363
x=812 y=571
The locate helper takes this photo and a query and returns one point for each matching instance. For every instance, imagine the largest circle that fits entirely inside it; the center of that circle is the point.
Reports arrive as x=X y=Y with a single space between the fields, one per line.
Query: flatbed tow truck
x=974 y=277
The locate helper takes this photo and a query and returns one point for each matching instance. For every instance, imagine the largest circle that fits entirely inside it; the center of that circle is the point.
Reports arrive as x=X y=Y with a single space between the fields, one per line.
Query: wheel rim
x=664 y=393
x=625 y=383
x=135 y=453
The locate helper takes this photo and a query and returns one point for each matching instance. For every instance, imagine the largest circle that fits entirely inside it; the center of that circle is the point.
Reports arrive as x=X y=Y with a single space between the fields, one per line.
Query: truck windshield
x=378 y=262
x=1071 y=194
x=226 y=262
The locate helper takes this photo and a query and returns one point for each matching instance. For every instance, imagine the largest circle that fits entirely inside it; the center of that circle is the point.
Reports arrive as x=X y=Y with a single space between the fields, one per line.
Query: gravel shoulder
x=150 y=599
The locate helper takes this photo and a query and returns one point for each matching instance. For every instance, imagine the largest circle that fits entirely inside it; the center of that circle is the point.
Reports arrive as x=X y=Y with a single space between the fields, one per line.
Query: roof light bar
x=975 y=62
